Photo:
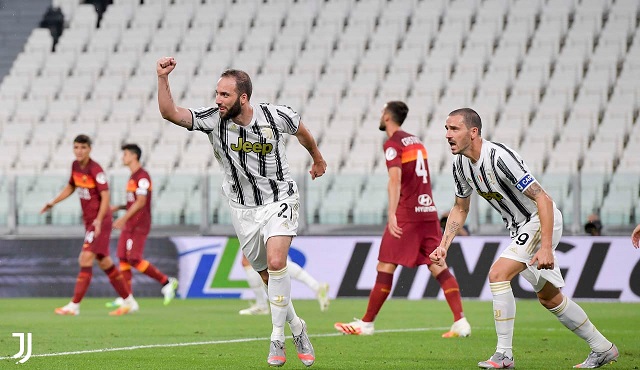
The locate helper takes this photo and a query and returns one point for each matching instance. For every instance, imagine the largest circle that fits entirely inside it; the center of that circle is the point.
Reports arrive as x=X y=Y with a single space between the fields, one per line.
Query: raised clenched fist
x=165 y=65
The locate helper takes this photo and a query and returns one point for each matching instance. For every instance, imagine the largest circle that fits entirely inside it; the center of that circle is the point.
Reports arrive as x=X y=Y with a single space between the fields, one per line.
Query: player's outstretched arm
x=635 y=237
x=455 y=221
x=168 y=108
x=305 y=138
x=64 y=194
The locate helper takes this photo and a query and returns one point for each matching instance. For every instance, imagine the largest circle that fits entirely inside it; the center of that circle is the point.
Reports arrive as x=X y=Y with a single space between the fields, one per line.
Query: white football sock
x=257 y=285
x=294 y=321
x=298 y=273
x=504 y=314
x=280 y=299
x=575 y=319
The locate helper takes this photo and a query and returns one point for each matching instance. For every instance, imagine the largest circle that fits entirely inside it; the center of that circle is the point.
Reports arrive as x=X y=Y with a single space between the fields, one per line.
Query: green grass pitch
x=209 y=334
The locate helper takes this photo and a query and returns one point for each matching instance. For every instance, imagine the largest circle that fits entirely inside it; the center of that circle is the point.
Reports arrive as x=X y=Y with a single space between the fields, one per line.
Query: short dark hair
x=398 y=111
x=82 y=139
x=471 y=118
x=243 y=81
x=133 y=148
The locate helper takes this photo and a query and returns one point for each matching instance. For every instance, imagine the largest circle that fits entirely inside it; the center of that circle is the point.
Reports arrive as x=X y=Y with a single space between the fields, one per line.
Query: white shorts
x=255 y=225
x=524 y=245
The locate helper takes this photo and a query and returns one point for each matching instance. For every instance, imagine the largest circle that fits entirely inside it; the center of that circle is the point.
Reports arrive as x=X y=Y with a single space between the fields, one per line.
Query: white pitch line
x=245 y=340
x=241 y=340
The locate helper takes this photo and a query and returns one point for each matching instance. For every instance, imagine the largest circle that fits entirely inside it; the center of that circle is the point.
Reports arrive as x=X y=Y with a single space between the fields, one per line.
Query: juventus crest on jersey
x=253 y=156
x=500 y=176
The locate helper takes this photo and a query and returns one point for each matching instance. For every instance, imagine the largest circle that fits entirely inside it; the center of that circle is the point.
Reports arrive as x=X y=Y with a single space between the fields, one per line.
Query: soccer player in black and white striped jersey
x=501 y=177
x=248 y=142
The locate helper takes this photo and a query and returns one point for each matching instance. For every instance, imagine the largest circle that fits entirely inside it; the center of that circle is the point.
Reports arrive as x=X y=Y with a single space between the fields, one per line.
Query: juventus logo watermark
x=25 y=340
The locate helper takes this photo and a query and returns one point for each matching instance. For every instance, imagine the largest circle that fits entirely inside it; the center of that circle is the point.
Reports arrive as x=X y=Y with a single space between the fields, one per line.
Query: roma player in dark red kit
x=413 y=229
x=90 y=182
x=136 y=224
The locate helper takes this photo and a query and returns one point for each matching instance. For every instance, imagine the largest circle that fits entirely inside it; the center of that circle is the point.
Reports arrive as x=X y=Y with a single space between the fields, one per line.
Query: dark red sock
x=378 y=295
x=82 y=283
x=125 y=269
x=451 y=290
x=118 y=282
x=150 y=270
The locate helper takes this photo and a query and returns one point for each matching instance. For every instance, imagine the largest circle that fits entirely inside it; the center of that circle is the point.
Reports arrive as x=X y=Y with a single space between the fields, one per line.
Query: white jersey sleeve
x=512 y=168
x=463 y=189
x=287 y=120
x=204 y=118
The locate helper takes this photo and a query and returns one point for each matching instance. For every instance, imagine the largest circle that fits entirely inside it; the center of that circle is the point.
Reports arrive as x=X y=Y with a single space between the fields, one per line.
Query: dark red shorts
x=418 y=240
x=131 y=245
x=100 y=244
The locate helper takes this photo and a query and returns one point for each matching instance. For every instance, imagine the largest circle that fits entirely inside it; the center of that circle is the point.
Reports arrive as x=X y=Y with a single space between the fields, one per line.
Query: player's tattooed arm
x=168 y=91
x=450 y=231
x=455 y=220
x=534 y=191
x=168 y=108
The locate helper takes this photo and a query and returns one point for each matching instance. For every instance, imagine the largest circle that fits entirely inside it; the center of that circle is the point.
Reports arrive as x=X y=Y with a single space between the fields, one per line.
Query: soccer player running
x=501 y=177
x=413 y=228
x=136 y=224
x=297 y=272
x=248 y=142
x=90 y=182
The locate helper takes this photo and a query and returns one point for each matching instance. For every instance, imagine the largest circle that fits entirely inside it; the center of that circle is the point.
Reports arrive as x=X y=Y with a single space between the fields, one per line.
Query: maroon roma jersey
x=416 y=202
x=89 y=181
x=139 y=184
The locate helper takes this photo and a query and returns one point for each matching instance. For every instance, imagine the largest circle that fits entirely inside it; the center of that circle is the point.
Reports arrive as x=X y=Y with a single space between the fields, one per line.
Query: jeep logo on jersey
x=491 y=195
x=425 y=200
x=247 y=147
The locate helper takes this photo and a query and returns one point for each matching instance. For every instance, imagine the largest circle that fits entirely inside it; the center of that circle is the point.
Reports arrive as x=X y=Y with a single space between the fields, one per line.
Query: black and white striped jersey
x=253 y=157
x=500 y=176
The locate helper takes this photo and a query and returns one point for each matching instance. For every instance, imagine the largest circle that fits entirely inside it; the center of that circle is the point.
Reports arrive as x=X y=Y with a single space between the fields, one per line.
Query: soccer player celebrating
x=502 y=178
x=413 y=228
x=136 y=224
x=90 y=182
x=248 y=142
